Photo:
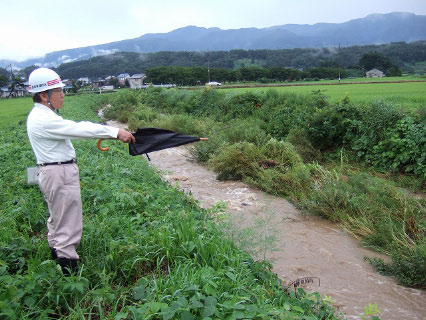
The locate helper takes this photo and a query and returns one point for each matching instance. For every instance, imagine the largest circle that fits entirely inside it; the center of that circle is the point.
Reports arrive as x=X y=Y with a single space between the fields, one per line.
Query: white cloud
x=102 y=52
x=32 y=28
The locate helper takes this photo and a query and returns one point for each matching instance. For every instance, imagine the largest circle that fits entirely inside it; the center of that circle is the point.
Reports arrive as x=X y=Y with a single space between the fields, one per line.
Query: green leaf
x=157 y=306
x=190 y=246
x=209 y=311
x=239 y=306
x=231 y=276
x=298 y=309
x=139 y=293
x=210 y=301
x=186 y=315
x=168 y=314
x=210 y=290
x=197 y=304
x=193 y=287
x=182 y=301
x=121 y=315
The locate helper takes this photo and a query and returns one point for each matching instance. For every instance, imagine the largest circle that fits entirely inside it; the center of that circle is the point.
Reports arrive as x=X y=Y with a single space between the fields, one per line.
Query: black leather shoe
x=53 y=252
x=68 y=266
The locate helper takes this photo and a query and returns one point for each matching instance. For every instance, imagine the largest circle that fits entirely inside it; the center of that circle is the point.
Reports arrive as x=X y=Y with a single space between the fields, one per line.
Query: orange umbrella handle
x=100 y=147
x=204 y=139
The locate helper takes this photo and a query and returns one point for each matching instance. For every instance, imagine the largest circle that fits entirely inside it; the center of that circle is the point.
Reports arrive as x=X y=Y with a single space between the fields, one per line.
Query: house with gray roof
x=374 y=73
x=122 y=78
x=136 y=80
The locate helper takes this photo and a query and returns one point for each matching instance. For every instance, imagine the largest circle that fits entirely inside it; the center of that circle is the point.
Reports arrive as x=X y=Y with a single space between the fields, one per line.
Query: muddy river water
x=304 y=245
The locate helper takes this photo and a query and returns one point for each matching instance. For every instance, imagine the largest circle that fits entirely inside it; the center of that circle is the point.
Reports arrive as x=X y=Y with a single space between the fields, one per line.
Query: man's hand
x=125 y=136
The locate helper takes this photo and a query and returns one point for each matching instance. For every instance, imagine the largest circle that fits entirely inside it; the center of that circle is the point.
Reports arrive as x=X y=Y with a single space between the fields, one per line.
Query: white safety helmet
x=43 y=79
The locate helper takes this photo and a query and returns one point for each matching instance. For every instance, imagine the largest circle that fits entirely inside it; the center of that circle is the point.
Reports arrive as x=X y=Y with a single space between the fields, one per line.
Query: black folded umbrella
x=155 y=139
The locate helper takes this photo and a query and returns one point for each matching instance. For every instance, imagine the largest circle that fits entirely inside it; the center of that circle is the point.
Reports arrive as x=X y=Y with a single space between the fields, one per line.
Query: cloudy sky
x=32 y=28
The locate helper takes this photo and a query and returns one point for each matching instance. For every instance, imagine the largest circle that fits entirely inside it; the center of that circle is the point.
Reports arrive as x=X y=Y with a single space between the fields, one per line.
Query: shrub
x=236 y=161
x=329 y=125
x=207 y=102
x=299 y=139
x=121 y=106
x=203 y=152
x=403 y=147
x=245 y=130
x=281 y=152
x=293 y=182
x=241 y=105
x=407 y=265
x=373 y=122
x=270 y=167
x=142 y=116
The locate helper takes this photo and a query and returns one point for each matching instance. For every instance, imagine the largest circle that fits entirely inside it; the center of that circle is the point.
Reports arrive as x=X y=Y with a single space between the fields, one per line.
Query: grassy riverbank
x=356 y=164
x=148 y=251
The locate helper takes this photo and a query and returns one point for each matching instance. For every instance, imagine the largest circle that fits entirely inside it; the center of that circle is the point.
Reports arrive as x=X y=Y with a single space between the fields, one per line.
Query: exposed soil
x=304 y=246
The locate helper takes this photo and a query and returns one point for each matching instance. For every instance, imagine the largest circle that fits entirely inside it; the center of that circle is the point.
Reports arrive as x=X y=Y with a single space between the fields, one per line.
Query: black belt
x=56 y=163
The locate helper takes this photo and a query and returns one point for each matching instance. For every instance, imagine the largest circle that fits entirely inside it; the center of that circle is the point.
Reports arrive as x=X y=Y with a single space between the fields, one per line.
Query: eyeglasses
x=59 y=90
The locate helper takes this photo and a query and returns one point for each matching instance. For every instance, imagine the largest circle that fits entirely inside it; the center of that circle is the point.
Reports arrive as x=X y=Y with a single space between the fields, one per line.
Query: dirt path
x=305 y=246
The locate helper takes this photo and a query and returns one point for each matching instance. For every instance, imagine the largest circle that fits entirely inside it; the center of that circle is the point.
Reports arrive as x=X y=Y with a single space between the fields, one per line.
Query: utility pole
x=12 y=82
x=11 y=73
x=208 y=66
x=339 y=62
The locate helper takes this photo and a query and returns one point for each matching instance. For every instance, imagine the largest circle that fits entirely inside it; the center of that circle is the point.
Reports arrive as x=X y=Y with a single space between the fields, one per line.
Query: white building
x=374 y=73
x=4 y=92
x=136 y=81
x=122 y=78
x=84 y=80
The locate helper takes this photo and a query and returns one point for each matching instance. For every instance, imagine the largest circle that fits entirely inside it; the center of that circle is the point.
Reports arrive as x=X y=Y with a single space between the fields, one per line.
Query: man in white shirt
x=50 y=136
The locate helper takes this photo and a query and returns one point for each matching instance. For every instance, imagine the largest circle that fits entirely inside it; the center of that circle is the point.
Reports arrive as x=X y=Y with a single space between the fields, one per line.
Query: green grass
x=148 y=250
x=13 y=110
x=345 y=80
x=410 y=94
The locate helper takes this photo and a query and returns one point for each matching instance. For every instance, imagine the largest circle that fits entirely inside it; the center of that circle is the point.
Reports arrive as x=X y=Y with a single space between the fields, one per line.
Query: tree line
x=200 y=75
x=401 y=54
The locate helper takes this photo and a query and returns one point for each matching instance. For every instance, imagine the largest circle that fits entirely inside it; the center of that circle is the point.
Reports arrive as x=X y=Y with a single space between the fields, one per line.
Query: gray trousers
x=60 y=185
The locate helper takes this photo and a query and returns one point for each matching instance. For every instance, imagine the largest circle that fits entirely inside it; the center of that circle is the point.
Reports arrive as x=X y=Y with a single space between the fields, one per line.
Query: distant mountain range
x=373 y=29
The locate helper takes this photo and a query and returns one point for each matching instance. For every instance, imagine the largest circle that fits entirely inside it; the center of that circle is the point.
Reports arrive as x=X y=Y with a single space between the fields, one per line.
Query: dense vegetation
x=148 y=251
x=191 y=76
x=350 y=163
x=404 y=55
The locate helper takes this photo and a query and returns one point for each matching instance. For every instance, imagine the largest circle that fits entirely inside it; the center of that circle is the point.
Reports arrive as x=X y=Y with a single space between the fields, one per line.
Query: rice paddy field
x=13 y=110
x=406 y=94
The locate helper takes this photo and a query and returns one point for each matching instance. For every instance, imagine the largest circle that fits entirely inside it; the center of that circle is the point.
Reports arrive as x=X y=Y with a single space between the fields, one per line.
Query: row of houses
x=135 y=81
x=18 y=91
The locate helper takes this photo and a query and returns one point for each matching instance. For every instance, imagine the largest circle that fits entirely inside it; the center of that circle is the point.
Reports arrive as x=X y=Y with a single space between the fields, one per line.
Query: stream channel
x=298 y=245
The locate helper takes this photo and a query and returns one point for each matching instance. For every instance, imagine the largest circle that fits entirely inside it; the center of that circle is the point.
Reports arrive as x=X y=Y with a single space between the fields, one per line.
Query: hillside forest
x=251 y=65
